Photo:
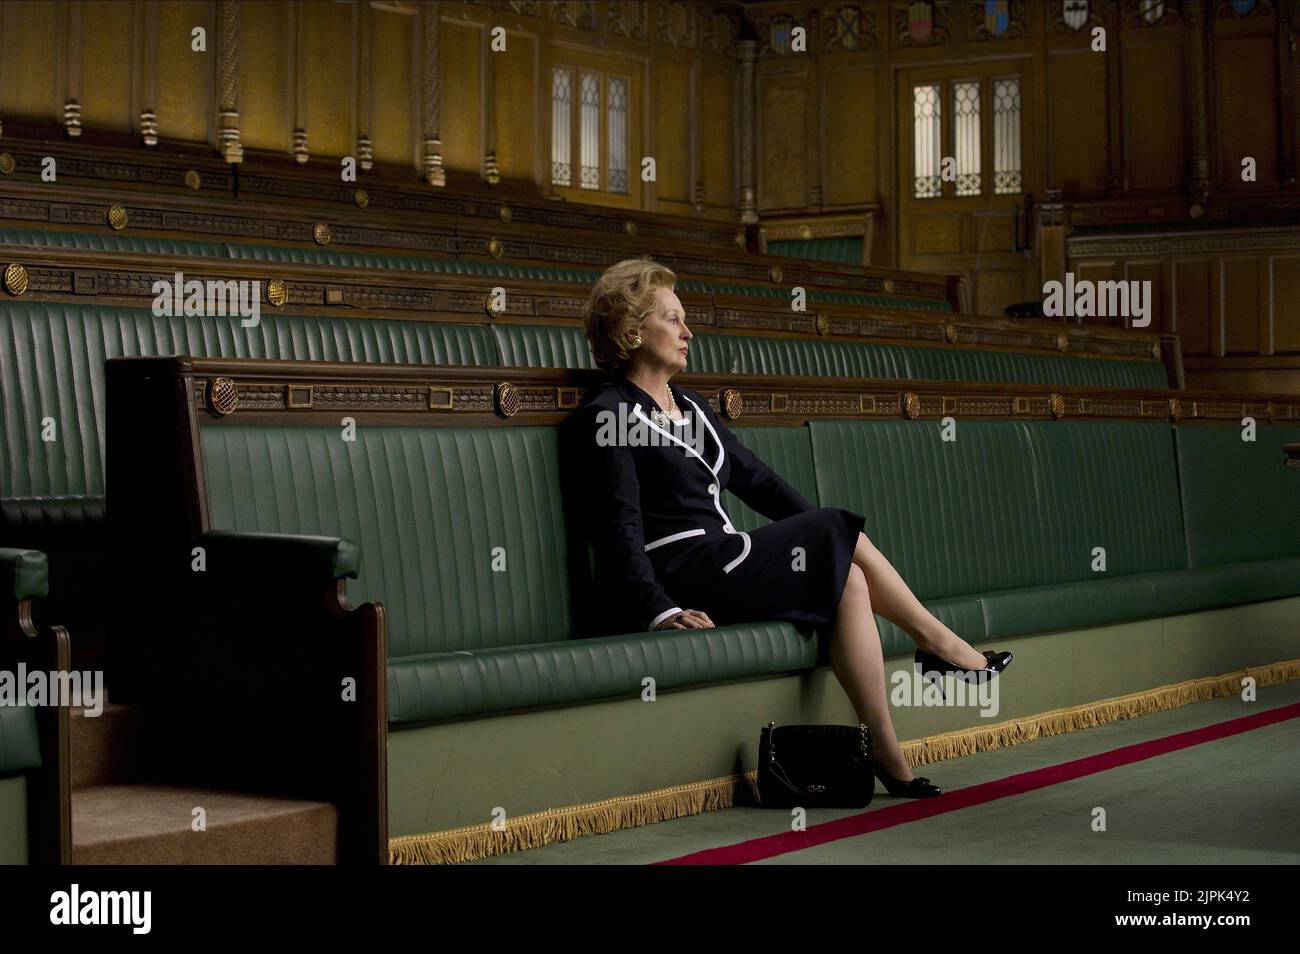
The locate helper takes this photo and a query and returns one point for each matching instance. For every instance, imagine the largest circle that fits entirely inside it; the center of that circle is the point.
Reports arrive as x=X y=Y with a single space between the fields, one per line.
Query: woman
x=659 y=460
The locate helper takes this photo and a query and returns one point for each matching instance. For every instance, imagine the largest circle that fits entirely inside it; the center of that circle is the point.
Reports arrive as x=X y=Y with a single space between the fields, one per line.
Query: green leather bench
x=995 y=532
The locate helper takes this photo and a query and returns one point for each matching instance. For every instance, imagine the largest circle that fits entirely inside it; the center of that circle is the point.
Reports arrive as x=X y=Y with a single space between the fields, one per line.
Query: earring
x=635 y=341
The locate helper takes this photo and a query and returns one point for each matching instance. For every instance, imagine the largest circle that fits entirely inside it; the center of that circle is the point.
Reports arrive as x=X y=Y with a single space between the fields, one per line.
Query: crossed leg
x=856 y=655
x=891 y=598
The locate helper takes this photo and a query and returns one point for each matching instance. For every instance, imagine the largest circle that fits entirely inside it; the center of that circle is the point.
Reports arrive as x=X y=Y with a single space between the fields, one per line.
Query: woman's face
x=664 y=335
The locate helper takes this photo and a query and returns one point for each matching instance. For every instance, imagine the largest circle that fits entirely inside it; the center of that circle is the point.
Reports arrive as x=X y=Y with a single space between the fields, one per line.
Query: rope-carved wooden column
x=146 y=77
x=361 y=85
x=431 y=88
x=70 y=21
x=748 y=51
x=228 y=83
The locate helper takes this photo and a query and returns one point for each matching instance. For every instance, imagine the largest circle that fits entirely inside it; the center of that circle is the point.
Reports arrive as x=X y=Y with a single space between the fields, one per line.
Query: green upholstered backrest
x=461 y=528
x=788 y=451
x=847 y=250
x=752 y=355
x=542 y=346
x=1007 y=504
x=964 y=364
x=1239 y=500
x=52 y=365
x=345 y=258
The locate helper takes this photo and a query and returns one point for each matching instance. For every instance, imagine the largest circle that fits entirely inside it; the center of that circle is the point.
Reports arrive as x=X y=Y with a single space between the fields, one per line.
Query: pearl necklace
x=662 y=419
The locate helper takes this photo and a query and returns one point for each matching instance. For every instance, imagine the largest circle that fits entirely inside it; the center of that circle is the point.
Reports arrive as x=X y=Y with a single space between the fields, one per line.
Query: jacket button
x=713 y=488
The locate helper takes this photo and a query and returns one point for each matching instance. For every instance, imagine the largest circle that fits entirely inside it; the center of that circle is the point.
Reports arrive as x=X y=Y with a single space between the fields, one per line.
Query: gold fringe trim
x=474 y=842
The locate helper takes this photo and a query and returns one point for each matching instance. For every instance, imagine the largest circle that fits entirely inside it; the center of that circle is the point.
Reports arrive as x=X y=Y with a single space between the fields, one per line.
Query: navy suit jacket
x=661 y=493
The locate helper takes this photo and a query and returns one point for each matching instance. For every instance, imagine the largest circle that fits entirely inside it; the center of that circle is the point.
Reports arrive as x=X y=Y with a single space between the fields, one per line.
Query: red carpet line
x=915 y=809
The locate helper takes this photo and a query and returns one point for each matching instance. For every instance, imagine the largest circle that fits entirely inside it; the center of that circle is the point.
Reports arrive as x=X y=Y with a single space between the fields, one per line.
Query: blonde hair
x=623 y=296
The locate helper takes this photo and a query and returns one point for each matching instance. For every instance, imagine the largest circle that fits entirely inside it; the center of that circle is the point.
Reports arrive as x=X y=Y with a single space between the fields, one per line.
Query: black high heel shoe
x=936 y=668
x=917 y=787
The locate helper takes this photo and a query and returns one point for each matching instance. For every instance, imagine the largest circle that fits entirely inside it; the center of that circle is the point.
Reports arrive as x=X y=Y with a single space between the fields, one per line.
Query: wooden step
x=103 y=746
x=151 y=824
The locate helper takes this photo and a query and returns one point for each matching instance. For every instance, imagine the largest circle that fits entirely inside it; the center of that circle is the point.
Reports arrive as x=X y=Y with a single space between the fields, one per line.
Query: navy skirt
x=795 y=571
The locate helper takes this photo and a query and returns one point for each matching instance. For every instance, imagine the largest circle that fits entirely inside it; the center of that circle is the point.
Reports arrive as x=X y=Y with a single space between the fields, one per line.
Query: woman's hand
x=687 y=619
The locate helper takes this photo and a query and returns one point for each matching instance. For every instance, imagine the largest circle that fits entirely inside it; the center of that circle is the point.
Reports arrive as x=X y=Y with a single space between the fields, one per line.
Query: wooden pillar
x=747 y=51
x=228 y=83
x=431 y=99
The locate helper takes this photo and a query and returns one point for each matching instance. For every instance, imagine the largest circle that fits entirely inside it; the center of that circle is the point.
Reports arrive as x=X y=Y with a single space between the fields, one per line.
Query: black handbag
x=815 y=766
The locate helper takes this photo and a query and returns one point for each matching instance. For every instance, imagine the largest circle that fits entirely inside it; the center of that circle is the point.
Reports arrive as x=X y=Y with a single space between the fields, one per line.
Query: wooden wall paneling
x=1077 y=121
x=848 y=130
x=463 y=46
x=186 y=79
x=717 y=138
x=328 y=63
x=783 y=153
x=1191 y=298
x=1154 y=94
x=264 y=71
x=671 y=95
x=516 y=103
x=1284 y=303
x=995 y=287
x=1287 y=126
x=1239 y=304
x=1116 y=132
x=109 y=62
x=29 y=57
x=1246 y=102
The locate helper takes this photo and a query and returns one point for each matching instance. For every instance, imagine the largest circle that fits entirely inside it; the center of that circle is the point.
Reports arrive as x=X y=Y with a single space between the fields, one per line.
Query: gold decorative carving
x=489 y=306
x=361 y=198
x=321 y=233
x=277 y=292
x=1062 y=341
x=7 y=164
x=504 y=213
x=1175 y=409
x=566 y=399
x=629 y=227
x=507 y=399
x=776 y=274
x=912 y=404
x=823 y=324
x=1056 y=403
x=193 y=180
x=733 y=405
x=117 y=217
x=1155 y=350
x=779 y=403
x=223 y=396
x=495 y=247
x=950 y=331
x=441 y=398
x=888 y=285
x=16 y=279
